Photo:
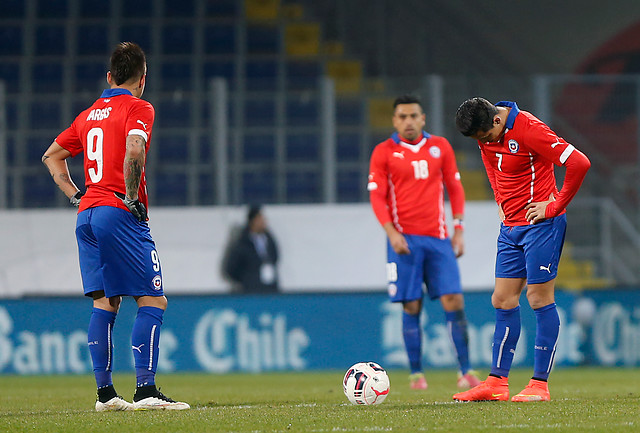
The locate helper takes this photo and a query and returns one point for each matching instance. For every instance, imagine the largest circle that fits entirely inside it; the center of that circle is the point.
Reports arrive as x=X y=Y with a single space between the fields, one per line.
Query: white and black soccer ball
x=366 y=383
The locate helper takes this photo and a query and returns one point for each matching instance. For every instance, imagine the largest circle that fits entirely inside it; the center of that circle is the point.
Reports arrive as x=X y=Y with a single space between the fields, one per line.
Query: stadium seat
x=42 y=192
x=222 y=8
x=35 y=148
x=52 y=9
x=47 y=77
x=173 y=113
x=258 y=186
x=350 y=111
x=260 y=112
x=172 y=188
x=176 y=75
x=351 y=186
x=13 y=9
x=219 y=39
x=380 y=112
x=177 y=39
x=304 y=186
x=262 y=10
x=51 y=40
x=259 y=148
x=90 y=76
x=11 y=152
x=10 y=74
x=476 y=185
x=302 y=111
x=303 y=148
x=261 y=75
x=206 y=189
x=303 y=74
x=140 y=33
x=45 y=115
x=347 y=75
x=12 y=113
x=171 y=148
x=10 y=40
x=263 y=39
x=348 y=147
x=224 y=69
x=302 y=39
x=96 y=8
x=93 y=40
x=182 y=8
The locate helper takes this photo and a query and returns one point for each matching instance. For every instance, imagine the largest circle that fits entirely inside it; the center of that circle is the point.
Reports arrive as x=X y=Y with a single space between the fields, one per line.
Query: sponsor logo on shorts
x=157 y=282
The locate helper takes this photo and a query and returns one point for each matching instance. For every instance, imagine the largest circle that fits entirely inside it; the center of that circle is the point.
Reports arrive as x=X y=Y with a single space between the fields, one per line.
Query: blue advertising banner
x=307 y=331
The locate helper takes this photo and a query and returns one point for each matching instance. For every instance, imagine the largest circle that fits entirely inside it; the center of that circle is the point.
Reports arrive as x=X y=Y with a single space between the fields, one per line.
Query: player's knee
x=503 y=302
x=539 y=300
x=454 y=302
x=412 y=307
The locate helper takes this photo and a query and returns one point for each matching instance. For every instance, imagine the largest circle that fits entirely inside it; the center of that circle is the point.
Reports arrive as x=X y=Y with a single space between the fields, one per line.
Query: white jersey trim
x=139 y=132
x=415 y=148
x=567 y=152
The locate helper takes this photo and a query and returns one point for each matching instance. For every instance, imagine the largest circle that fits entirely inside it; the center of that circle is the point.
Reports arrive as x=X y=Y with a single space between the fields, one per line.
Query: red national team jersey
x=520 y=164
x=100 y=132
x=406 y=184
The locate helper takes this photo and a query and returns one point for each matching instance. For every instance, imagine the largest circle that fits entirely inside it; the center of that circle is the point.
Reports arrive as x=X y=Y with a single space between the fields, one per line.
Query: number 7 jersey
x=100 y=132
x=406 y=184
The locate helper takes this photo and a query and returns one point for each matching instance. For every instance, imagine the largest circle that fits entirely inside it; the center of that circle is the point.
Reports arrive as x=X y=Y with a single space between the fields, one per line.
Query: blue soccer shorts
x=117 y=254
x=431 y=262
x=531 y=251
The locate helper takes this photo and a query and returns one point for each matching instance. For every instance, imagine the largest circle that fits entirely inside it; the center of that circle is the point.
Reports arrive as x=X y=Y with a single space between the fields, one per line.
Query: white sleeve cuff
x=139 y=132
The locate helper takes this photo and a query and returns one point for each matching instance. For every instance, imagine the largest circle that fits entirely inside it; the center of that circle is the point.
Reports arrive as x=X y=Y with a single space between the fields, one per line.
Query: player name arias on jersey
x=99 y=113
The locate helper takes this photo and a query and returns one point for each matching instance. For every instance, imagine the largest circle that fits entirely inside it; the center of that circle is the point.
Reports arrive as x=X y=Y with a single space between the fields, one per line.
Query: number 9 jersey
x=101 y=132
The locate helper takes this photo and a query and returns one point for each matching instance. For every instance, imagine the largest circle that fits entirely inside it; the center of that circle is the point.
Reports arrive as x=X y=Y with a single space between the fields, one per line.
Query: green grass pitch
x=583 y=400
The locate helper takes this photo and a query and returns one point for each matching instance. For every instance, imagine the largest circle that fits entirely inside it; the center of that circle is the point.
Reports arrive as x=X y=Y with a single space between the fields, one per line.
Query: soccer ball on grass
x=366 y=383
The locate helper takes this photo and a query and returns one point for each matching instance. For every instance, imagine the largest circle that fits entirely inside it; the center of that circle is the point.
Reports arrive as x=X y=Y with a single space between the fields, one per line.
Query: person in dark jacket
x=252 y=256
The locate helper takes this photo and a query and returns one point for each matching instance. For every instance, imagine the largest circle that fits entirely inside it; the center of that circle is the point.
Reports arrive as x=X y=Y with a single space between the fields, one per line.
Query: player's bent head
x=406 y=99
x=128 y=62
x=475 y=114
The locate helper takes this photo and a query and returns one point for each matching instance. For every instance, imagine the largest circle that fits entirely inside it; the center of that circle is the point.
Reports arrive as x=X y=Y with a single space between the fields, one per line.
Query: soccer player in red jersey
x=117 y=254
x=407 y=177
x=519 y=153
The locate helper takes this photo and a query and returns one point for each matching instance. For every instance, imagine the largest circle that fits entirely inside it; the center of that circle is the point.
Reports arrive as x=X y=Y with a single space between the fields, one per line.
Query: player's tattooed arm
x=55 y=161
x=134 y=164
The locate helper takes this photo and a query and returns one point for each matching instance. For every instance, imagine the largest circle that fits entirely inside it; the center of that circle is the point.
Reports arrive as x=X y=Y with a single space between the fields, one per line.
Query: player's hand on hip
x=75 y=199
x=136 y=208
x=536 y=211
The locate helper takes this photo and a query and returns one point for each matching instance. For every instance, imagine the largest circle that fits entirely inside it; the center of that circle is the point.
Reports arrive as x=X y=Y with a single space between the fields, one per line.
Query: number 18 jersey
x=407 y=181
x=100 y=132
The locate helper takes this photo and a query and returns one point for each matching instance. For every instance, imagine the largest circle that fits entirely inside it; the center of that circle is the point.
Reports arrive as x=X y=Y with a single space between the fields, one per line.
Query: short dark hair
x=127 y=61
x=254 y=211
x=407 y=99
x=475 y=114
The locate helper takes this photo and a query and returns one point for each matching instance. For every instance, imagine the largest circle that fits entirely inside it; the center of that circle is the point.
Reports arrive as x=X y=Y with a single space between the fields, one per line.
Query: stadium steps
x=574 y=274
x=476 y=185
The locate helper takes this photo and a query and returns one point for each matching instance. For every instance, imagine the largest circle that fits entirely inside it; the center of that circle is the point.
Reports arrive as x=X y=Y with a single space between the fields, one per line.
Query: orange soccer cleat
x=417 y=381
x=537 y=390
x=492 y=389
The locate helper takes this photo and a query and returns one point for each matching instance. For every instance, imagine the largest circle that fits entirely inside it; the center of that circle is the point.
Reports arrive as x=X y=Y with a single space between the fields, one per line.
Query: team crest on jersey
x=513 y=146
x=434 y=151
x=157 y=282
